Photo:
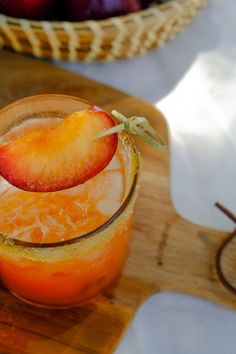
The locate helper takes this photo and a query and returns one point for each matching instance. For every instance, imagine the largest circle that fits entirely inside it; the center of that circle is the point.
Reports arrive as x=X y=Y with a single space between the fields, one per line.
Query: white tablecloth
x=193 y=81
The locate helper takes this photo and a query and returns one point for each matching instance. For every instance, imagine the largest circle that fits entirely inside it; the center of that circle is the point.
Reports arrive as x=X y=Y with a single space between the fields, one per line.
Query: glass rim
x=104 y=226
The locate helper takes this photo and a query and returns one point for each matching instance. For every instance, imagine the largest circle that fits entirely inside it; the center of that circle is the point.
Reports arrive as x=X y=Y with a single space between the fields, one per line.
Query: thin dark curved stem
x=219 y=269
x=228 y=213
x=222 y=248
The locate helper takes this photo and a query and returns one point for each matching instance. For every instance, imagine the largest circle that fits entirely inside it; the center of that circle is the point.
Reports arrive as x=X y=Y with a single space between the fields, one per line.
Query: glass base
x=51 y=307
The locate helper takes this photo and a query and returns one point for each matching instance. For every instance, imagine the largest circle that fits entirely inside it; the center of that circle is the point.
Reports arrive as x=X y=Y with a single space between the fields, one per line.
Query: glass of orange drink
x=60 y=249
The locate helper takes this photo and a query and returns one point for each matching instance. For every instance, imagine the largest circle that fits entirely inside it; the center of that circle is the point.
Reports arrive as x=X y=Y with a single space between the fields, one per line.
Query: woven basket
x=113 y=38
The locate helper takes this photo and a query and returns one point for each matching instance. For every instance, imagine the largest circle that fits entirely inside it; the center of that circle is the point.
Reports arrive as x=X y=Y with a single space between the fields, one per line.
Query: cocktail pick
x=135 y=125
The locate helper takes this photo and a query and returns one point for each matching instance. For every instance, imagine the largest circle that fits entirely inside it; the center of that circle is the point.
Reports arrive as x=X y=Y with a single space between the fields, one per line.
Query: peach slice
x=62 y=157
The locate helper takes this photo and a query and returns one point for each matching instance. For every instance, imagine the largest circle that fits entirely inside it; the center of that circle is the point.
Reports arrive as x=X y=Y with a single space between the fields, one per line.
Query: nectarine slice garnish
x=62 y=157
x=70 y=153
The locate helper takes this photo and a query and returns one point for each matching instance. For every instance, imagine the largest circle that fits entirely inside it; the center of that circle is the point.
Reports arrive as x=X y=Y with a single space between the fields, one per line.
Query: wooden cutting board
x=167 y=253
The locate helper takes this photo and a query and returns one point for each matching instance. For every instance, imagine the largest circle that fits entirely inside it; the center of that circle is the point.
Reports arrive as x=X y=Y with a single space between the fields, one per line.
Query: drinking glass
x=67 y=273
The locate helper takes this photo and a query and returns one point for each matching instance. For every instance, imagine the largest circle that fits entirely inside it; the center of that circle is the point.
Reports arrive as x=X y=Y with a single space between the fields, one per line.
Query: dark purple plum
x=146 y=3
x=30 y=9
x=59 y=12
x=80 y=10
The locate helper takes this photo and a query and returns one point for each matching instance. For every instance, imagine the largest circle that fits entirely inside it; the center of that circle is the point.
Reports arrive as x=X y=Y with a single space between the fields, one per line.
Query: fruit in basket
x=80 y=10
x=146 y=3
x=30 y=9
x=62 y=157
x=59 y=12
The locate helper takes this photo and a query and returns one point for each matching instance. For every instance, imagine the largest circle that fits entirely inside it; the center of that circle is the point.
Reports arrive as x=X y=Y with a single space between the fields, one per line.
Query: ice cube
x=4 y=187
x=115 y=164
x=107 y=185
x=108 y=206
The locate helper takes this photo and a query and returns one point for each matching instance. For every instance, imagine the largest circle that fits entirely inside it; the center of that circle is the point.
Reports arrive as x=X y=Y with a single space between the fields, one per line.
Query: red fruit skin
x=29 y=9
x=80 y=10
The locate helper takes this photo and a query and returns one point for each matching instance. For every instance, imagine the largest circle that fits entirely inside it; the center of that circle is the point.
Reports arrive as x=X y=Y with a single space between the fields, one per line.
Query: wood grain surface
x=167 y=253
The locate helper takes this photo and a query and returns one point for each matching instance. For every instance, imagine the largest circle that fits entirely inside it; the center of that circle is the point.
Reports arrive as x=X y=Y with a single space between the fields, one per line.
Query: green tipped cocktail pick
x=138 y=126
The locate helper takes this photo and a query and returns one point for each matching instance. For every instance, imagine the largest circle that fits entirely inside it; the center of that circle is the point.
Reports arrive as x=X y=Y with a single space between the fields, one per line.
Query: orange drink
x=60 y=249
